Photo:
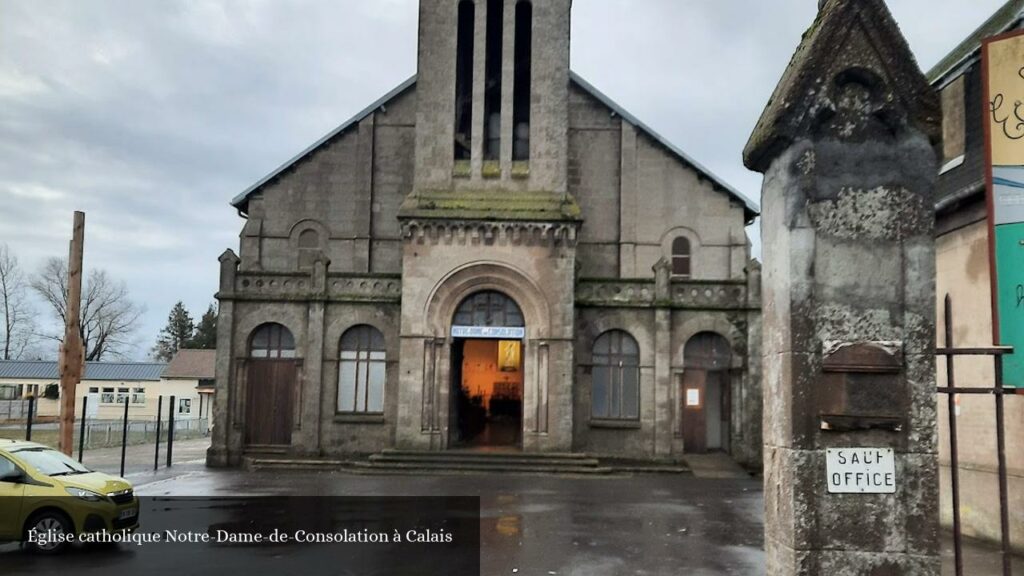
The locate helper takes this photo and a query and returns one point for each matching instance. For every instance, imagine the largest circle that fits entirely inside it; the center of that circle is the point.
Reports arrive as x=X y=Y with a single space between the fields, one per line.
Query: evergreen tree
x=176 y=335
x=205 y=337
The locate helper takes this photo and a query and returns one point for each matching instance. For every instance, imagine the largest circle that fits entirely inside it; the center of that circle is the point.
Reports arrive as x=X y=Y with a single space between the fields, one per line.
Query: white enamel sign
x=860 y=470
x=496 y=332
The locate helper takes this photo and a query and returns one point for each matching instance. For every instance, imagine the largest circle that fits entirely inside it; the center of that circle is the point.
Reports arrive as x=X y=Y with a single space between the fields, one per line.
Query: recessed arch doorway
x=705 y=395
x=488 y=331
x=272 y=384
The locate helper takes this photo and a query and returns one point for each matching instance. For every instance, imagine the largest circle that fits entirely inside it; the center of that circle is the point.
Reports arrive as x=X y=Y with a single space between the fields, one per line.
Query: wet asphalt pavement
x=569 y=526
x=530 y=525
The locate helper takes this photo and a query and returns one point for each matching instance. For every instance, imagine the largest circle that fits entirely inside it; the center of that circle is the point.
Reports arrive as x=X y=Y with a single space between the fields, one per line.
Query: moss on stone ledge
x=490 y=205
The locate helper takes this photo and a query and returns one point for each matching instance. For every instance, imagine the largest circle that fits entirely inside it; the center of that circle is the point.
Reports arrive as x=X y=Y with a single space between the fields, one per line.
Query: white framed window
x=107 y=396
x=361 y=371
x=122 y=395
x=138 y=395
x=185 y=406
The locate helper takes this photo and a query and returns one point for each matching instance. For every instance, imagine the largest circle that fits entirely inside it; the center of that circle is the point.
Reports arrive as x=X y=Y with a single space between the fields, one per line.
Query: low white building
x=108 y=385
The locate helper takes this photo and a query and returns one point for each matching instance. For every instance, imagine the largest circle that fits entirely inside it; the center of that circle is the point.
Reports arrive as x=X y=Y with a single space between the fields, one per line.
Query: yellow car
x=48 y=500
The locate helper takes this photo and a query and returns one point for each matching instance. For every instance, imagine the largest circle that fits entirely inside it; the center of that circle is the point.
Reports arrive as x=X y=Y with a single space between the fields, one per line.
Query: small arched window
x=309 y=246
x=615 y=382
x=681 y=258
x=707 y=351
x=272 y=340
x=362 y=370
x=488 y=308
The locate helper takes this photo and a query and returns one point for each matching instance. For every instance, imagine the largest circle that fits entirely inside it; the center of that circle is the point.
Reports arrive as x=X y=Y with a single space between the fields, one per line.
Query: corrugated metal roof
x=124 y=371
x=751 y=207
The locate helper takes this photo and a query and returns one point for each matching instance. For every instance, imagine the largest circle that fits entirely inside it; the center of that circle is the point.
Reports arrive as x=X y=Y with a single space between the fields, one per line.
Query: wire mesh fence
x=19 y=421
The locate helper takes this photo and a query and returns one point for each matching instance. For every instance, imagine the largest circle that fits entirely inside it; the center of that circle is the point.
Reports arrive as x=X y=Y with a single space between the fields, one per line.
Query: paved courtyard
x=531 y=525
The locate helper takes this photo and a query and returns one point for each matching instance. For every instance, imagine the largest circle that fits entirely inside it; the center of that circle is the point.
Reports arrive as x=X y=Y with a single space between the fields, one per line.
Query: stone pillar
x=847 y=147
x=663 y=396
x=219 y=453
x=307 y=440
x=747 y=448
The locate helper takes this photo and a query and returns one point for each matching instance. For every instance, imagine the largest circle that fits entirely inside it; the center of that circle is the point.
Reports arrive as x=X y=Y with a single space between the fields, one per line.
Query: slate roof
x=751 y=208
x=120 y=371
x=1009 y=16
x=192 y=364
x=965 y=181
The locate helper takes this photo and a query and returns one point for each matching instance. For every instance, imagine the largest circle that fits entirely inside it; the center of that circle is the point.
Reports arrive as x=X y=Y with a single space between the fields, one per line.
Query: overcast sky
x=151 y=115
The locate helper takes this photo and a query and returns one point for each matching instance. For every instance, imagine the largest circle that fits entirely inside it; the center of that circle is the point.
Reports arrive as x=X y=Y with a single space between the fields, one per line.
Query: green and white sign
x=1009 y=245
x=1003 y=62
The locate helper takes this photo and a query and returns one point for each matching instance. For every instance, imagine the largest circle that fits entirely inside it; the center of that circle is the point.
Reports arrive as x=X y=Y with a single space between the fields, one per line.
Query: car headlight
x=84 y=494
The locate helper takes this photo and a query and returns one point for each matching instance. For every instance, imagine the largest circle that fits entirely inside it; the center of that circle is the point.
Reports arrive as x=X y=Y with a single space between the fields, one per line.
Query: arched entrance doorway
x=705 y=394
x=486 y=409
x=271 y=377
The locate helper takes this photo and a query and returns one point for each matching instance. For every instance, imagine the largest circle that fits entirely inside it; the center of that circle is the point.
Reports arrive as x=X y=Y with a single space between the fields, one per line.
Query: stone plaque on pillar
x=847 y=148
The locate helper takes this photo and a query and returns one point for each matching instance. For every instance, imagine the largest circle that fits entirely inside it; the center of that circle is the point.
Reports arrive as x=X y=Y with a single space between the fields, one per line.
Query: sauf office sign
x=860 y=470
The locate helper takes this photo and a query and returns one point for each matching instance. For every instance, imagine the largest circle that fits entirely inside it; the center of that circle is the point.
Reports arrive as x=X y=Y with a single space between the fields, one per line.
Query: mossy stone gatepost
x=847 y=149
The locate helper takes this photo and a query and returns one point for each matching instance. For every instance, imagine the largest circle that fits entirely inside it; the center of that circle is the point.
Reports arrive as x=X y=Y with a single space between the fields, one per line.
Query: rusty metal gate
x=998 y=391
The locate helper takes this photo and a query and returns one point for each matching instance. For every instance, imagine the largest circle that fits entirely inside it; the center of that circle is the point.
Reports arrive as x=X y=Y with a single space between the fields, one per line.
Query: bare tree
x=17 y=332
x=109 y=317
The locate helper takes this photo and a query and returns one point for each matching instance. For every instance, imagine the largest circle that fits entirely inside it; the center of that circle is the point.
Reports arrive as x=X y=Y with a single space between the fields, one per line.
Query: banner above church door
x=1003 y=77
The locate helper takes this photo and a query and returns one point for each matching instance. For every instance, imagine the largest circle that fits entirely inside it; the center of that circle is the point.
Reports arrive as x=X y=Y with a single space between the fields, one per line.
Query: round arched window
x=681 y=258
x=708 y=351
x=489 y=308
x=362 y=370
x=272 y=340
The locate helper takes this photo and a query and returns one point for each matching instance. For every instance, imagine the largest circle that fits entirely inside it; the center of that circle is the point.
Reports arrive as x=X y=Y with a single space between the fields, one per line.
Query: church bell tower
x=492 y=111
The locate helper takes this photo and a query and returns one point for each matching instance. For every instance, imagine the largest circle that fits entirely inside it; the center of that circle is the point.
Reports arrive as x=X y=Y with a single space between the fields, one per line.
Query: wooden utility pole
x=72 y=353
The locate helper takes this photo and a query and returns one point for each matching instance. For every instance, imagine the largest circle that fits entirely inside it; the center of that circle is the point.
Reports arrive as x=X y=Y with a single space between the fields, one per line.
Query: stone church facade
x=493 y=254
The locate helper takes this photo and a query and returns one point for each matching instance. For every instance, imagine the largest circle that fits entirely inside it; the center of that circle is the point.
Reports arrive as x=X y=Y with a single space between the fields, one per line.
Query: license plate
x=130 y=513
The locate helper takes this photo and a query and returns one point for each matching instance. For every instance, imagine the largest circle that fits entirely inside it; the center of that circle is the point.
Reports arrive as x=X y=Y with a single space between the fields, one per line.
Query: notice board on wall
x=1003 y=79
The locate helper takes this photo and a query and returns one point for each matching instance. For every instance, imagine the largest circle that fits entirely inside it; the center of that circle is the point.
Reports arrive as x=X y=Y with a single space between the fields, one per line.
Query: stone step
x=411 y=463
x=298 y=464
x=461 y=458
x=441 y=467
x=489 y=454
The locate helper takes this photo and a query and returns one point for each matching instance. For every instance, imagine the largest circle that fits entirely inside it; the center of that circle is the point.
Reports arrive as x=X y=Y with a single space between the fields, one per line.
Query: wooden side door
x=270 y=402
x=694 y=417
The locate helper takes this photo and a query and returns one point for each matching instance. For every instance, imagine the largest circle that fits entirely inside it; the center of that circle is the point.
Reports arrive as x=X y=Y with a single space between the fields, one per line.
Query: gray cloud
x=151 y=115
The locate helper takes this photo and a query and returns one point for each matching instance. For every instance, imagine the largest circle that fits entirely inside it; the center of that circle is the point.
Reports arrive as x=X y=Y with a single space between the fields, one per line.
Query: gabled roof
x=241 y=201
x=1008 y=17
x=123 y=371
x=847 y=35
x=192 y=364
x=751 y=208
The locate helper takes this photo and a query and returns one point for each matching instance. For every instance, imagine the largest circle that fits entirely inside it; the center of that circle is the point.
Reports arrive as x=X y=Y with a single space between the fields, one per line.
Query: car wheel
x=52 y=523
